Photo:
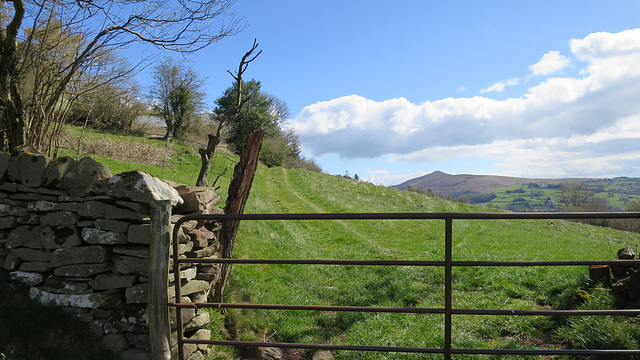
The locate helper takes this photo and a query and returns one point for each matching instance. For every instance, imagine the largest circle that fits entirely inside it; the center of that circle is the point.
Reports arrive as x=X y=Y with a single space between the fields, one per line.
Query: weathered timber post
x=599 y=273
x=239 y=189
x=160 y=197
x=158 y=310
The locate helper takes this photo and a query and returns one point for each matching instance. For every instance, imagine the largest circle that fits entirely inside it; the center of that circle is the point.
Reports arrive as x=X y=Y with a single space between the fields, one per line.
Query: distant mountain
x=465 y=184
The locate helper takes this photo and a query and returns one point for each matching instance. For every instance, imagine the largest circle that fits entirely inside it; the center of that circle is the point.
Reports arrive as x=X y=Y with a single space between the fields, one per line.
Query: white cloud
x=385 y=177
x=561 y=126
x=499 y=86
x=606 y=45
x=550 y=63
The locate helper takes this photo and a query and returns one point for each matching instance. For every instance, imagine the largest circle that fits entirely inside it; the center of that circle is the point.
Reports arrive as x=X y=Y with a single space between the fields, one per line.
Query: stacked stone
x=80 y=238
x=197 y=240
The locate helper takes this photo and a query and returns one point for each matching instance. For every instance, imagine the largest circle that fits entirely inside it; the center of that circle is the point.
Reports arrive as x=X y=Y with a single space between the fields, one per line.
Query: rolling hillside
x=465 y=184
x=523 y=194
x=277 y=190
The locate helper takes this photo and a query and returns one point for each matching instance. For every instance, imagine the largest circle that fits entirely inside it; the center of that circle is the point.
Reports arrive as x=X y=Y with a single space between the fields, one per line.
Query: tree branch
x=14 y=26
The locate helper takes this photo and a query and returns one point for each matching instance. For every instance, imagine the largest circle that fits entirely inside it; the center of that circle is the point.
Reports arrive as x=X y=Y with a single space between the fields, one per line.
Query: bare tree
x=183 y=26
x=47 y=52
x=576 y=194
x=207 y=153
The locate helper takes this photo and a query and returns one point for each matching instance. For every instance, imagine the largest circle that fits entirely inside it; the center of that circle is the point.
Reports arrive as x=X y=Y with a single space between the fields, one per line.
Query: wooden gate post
x=158 y=299
x=239 y=190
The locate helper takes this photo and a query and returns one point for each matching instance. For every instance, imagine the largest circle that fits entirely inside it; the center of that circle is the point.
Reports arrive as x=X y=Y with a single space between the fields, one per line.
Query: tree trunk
x=11 y=113
x=207 y=154
x=168 y=135
x=238 y=194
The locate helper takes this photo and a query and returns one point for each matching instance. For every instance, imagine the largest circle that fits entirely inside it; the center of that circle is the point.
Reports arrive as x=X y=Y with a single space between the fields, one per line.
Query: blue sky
x=396 y=90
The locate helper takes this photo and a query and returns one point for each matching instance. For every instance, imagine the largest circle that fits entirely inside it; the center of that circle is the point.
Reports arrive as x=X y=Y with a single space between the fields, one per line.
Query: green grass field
x=615 y=193
x=295 y=191
x=277 y=190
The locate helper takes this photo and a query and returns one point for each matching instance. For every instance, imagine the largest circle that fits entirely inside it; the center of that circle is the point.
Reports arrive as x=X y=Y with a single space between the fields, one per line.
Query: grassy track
x=296 y=191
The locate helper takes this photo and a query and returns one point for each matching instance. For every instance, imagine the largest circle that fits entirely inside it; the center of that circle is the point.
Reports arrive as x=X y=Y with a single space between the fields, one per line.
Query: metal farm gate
x=448 y=264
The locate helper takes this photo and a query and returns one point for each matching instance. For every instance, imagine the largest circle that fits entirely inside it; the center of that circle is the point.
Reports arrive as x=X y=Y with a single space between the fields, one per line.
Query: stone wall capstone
x=79 y=237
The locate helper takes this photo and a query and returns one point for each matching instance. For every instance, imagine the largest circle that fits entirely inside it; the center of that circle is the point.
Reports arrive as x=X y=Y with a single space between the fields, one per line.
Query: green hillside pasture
x=182 y=170
x=510 y=198
x=616 y=200
x=169 y=161
x=296 y=191
x=616 y=193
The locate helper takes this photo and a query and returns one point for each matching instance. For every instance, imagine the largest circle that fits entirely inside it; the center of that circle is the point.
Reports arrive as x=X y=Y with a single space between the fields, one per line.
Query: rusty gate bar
x=448 y=257
x=626 y=312
x=416 y=350
x=448 y=265
x=411 y=262
x=419 y=216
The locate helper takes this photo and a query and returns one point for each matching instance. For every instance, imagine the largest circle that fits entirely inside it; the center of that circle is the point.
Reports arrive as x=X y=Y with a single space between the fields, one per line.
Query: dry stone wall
x=79 y=237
